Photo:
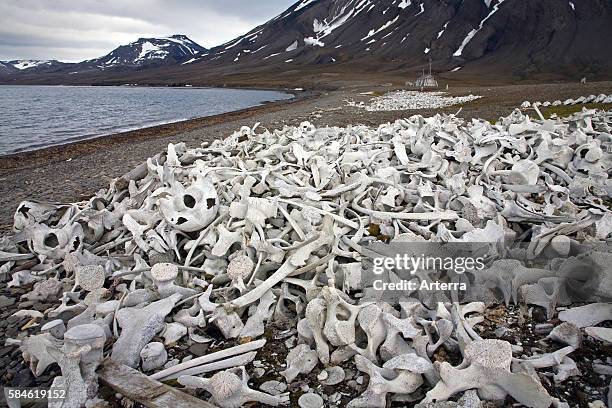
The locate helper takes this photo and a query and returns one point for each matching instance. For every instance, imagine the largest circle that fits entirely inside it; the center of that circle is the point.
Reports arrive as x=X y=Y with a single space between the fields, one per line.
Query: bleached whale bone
x=164 y=275
x=486 y=367
x=231 y=391
x=400 y=376
x=153 y=356
x=79 y=358
x=588 y=315
x=192 y=208
x=138 y=328
x=216 y=356
x=300 y=360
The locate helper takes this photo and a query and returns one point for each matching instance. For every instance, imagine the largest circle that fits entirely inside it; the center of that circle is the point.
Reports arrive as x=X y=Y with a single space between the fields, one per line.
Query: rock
x=310 y=400
x=602 y=369
x=273 y=387
x=199 y=349
x=331 y=375
x=6 y=302
x=258 y=372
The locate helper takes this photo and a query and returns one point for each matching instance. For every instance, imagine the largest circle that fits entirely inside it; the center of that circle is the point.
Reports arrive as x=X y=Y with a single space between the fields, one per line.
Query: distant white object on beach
x=405 y=100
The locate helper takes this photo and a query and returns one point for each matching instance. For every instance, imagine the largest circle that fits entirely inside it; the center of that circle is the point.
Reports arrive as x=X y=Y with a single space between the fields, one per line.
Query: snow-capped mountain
x=518 y=35
x=149 y=51
x=143 y=53
x=30 y=65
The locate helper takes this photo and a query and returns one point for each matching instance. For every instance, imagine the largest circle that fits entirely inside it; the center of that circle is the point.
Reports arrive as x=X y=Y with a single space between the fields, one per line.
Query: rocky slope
x=479 y=40
x=519 y=36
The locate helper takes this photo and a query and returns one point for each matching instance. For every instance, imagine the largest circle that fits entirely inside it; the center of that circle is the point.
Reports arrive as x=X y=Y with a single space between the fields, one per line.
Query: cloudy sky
x=74 y=30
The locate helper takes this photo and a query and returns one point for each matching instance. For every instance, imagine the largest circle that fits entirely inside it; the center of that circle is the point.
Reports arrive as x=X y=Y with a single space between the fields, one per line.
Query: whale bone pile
x=601 y=98
x=406 y=100
x=269 y=226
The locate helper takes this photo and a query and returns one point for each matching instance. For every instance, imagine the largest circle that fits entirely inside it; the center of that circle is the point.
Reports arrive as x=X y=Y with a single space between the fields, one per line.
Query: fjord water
x=33 y=117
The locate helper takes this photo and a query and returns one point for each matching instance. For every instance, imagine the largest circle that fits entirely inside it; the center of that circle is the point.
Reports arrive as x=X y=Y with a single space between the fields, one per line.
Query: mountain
x=516 y=36
x=147 y=52
x=16 y=66
x=141 y=54
x=315 y=40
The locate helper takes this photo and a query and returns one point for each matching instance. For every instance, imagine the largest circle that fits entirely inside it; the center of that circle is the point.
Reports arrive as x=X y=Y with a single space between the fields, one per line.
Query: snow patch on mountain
x=404 y=3
x=475 y=31
x=304 y=4
x=292 y=47
x=373 y=32
x=421 y=11
x=150 y=51
x=313 y=42
x=26 y=64
x=442 y=31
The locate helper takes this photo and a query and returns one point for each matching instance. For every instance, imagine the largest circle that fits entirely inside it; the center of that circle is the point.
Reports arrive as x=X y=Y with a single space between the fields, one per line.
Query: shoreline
x=58 y=152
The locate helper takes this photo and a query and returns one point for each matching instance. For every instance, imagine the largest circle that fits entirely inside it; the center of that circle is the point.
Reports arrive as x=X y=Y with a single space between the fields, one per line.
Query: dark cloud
x=77 y=30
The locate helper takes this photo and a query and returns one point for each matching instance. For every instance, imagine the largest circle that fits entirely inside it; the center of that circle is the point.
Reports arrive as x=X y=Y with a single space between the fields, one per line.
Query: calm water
x=32 y=117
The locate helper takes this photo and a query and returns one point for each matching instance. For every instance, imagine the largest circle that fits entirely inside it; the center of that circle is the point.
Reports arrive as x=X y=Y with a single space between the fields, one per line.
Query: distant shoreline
x=187 y=86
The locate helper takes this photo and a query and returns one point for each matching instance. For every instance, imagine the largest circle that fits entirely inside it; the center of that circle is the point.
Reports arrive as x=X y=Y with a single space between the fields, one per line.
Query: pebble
x=290 y=342
x=501 y=331
x=359 y=380
x=602 y=369
x=331 y=375
x=310 y=400
x=171 y=363
x=5 y=301
x=199 y=349
x=516 y=349
x=273 y=387
x=335 y=397
x=259 y=372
